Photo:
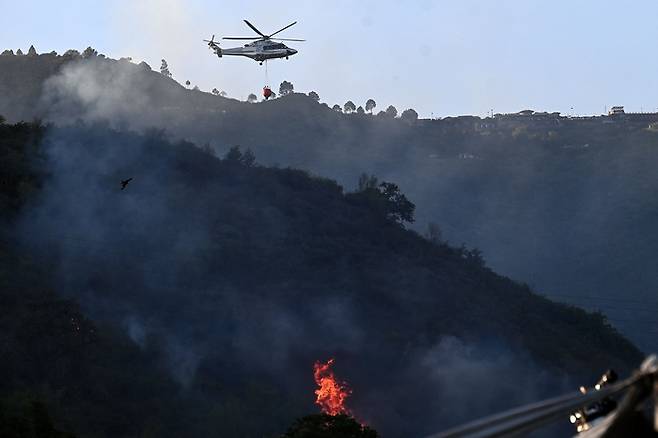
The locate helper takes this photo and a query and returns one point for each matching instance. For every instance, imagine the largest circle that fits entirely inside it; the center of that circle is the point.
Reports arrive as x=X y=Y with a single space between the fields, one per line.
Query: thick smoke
x=99 y=90
x=156 y=260
x=138 y=258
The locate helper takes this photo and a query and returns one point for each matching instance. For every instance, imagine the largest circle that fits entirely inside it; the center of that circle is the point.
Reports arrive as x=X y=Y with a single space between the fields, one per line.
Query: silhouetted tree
x=313 y=95
x=19 y=52
x=328 y=426
x=2 y=119
x=187 y=83
x=286 y=88
x=433 y=233
x=475 y=256
x=164 y=69
x=391 y=111
x=89 y=52
x=32 y=51
x=409 y=115
x=360 y=110
x=398 y=207
x=367 y=182
x=370 y=105
x=252 y=98
x=223 y=93
x=337 y=108
x=349 y=107
x=215 y=91
x=71 y=53
x=233 y=154
x=248 y=158
x=7 y=52
x=196 y=88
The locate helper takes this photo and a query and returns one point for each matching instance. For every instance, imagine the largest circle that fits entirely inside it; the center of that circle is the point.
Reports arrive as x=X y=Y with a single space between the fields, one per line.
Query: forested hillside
x=195 y=301
x=566 y=205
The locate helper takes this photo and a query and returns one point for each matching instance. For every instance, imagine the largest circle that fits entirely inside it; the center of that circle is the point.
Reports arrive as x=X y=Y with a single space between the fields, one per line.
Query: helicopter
x=261 y=49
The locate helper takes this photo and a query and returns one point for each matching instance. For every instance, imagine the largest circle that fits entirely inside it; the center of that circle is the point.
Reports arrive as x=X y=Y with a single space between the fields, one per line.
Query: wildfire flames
x=331 y=394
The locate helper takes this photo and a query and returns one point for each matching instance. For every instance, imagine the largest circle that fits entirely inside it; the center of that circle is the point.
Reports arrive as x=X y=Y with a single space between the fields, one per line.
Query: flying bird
x=125 y=182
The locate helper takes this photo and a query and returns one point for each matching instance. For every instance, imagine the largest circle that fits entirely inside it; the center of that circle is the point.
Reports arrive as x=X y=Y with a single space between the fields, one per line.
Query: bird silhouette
x=125 y=182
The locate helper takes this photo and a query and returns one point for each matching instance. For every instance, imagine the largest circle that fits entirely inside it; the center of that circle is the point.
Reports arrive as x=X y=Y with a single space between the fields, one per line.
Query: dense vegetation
x=195 y=301
x=328 y=426
x=566 y=205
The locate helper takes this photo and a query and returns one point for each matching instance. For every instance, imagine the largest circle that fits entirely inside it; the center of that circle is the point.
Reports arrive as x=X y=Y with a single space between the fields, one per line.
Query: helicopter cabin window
x=274 y=47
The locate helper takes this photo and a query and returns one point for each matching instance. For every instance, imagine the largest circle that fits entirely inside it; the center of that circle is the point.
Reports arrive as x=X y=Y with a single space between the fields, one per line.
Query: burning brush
x=331 y=394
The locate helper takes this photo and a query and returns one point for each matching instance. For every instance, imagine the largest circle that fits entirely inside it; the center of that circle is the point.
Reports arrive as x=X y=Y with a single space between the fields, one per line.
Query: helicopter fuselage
x=258 y=50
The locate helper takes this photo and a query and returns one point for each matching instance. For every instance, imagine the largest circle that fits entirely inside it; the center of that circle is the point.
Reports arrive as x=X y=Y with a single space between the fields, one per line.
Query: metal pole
x=529 y=417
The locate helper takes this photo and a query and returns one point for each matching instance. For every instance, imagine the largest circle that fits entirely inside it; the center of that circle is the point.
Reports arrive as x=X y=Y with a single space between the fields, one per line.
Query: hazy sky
x=439 y=57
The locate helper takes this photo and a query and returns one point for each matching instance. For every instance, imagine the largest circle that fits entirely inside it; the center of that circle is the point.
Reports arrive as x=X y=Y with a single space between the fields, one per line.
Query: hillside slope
x=241 y=276
x=566 y=205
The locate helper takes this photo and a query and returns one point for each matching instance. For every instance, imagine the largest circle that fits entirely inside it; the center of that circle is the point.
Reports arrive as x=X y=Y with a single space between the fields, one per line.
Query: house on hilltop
x=616 y=110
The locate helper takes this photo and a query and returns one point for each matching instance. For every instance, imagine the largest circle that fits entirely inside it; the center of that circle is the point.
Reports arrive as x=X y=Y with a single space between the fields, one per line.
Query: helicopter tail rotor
x=214 y=46
x=211 y=42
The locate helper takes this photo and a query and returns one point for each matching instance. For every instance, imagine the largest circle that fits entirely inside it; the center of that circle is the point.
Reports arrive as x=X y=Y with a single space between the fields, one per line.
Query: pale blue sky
x=439 y=57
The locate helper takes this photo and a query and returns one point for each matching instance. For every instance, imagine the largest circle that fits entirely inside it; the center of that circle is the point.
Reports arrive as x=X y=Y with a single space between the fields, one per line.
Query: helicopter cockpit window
x=274 y=47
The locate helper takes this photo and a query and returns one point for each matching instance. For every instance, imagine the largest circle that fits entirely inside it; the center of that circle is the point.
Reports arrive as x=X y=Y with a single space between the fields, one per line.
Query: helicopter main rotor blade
x=286 y=39
x=241 y=38
x=255 y=30
x=282 y=29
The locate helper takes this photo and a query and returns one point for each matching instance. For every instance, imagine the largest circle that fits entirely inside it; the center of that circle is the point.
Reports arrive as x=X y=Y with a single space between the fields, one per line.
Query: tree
x=71 y=53
x=328 y=426
x=223 y=93
x=19 y=52
x=196 y=88
x=398 y=207
x=187 y=83
x=337 y=108
x=409 y=115
x=164 y=69
x=472 y=256
x=360 y=110
x=234 y=155
x=89 y=52
x=313 y=95
x=32 y=51
x=433 y=233
x=349 y=107
x=248 y=158
x=215 y=91
x=252 y=98
x=370 y=105
x=391 y=111
x=286 y=88
x=367 y=182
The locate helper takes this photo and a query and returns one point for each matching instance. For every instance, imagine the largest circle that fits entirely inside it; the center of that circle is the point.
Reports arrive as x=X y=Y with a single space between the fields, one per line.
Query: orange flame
x=331 y=394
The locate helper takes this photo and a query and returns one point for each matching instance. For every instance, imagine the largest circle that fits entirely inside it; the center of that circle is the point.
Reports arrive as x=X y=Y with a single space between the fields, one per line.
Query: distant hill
x=565 y=205
x=231 y=278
